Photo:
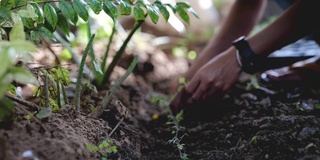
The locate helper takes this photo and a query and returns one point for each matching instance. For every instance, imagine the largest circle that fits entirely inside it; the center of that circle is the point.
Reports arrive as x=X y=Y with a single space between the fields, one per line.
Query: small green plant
x=298 y=106
x=174 y=120
x=254 y=140
x=253 y=83
x=106 y=147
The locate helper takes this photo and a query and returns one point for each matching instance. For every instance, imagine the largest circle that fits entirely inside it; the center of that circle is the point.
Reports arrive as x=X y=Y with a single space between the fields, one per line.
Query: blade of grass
x=80 y=74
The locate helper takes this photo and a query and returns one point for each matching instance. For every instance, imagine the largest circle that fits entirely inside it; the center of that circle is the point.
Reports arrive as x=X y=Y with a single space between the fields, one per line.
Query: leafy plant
x=106 y=147
x=254 y=139
x=17 y=49
x=37 y=19
x=54 y=80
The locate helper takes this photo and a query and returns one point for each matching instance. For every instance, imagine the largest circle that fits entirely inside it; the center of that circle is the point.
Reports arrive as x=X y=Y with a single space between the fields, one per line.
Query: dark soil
x=271 y=122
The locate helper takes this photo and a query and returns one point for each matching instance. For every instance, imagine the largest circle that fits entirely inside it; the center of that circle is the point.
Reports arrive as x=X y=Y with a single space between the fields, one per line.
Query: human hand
x=215 y=77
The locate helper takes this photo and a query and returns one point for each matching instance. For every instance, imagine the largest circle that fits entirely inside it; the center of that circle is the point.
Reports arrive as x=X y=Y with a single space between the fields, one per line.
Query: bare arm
x=243 y=16
x=296 y=22
x=221 y=72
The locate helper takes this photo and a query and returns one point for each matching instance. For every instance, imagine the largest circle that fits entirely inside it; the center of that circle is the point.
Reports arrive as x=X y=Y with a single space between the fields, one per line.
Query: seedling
x=106 y=147
x=254 y=140
x=174 y=120
x=253 y=83
x=298 y=106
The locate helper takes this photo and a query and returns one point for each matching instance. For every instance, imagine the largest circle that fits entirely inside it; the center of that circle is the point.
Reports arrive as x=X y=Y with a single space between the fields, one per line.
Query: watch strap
x=249 y=60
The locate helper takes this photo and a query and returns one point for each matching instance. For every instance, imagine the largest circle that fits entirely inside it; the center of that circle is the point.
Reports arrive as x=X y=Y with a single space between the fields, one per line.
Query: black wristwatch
x=249 y=60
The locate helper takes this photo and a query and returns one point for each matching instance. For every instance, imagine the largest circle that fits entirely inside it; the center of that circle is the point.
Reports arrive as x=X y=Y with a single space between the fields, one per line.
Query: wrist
x=239 y=59
x=246 y=58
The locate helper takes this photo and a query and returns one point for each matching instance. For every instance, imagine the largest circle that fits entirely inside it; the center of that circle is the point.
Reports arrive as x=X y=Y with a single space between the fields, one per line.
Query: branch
x=31 y=106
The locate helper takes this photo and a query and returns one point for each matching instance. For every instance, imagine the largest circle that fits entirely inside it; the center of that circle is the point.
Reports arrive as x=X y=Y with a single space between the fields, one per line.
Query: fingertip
x=190 y=88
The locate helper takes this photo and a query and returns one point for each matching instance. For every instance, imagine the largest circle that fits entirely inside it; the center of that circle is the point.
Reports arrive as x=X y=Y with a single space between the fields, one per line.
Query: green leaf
x=91 y=147
x=63 y=24
x=16 y=49
x=95 y=5
x=12 y=89
x=53 y=105
x=6 y=108
x=7 y=3
x=111 y=9
x=183 y=14
x=153 y=13
x=28 y=23
x=187 y=7
x=62 y=75
x=51 y=15
x=19 y=3
x=97 y=67
x=143 y=2
x=81 y=10
x=138 y=13
x=38 y=1
x=45 y=32
x=4 y=13
x=39 y=12
x=48 y=26
x=164 y=11
x=5 y=62
x=173 y=8
x=22 y=46
x=44 y=113
x=125 y=8
x=35 y=37
x=29 y=13
x=182 y=80
x=67 y=9
x=191 y=10
x=17 y=32
x=182 y=5
x=15 y=18
x=23 y=76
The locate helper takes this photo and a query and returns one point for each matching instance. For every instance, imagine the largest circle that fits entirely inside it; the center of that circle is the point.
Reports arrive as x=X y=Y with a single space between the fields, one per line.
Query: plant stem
x=92 y=54
x=46 y=90
x=74 y=56
x=107 y=98
x=104 y=60
x=80 y=74
x=119 y=53
x=59 y=92
x=115 y=128
x=65 y=99
x=31 y=106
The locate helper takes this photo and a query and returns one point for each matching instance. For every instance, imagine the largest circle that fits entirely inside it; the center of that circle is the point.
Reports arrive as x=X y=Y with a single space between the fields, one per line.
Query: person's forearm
x=244 y=15
x=296 y=22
